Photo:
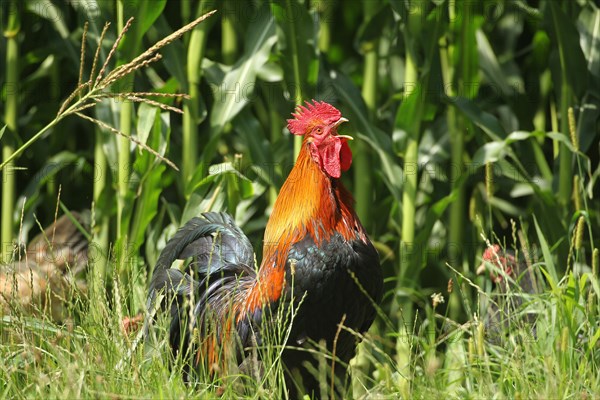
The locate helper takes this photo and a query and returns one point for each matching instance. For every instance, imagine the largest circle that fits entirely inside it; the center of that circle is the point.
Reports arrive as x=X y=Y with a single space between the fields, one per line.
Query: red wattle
x=345 y=156
x=335 y=157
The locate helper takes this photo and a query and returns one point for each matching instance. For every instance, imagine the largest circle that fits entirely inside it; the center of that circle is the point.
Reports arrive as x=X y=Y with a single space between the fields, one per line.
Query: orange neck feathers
x=309 y=203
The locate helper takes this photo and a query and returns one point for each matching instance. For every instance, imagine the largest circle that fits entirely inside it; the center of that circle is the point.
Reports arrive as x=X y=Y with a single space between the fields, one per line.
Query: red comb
x=313 y=114
x=491 y=253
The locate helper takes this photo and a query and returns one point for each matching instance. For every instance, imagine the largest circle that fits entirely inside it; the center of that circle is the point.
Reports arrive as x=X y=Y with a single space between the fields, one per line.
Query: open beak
x=338 y=123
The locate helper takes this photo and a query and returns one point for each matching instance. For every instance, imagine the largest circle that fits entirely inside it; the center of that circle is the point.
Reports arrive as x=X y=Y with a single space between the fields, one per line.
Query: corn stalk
x=363 y=186
x=10 y=117
x=195 y=54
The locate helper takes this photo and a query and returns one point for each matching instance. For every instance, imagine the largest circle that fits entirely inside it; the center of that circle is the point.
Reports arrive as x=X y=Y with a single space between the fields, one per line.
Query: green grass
x=88 y=357
x=472 y=118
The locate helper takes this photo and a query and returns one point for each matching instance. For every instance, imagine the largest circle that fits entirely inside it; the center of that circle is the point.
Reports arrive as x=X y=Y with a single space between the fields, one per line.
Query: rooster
x=514 y=281
x=317 y=259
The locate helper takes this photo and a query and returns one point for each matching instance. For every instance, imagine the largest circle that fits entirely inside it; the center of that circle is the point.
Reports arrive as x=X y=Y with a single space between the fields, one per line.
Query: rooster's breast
x=337 y=279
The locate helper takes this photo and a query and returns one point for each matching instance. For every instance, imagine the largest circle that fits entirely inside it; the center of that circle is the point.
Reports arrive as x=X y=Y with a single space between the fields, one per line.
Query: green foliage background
x=459 y=109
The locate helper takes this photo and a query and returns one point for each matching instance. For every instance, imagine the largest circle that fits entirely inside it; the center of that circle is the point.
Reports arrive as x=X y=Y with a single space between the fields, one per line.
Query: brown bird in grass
x=44 y=278
x=317 y=259
x=513 y=282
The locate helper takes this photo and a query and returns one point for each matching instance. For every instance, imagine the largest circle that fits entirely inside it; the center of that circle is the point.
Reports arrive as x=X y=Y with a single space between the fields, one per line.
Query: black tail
x=222 y=256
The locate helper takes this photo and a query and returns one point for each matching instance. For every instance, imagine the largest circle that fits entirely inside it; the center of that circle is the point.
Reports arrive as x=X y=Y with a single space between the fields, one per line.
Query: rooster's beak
x=338 y=123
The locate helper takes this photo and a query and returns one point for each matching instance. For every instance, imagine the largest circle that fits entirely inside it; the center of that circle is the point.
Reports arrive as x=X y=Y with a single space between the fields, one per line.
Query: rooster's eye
x=319 y=131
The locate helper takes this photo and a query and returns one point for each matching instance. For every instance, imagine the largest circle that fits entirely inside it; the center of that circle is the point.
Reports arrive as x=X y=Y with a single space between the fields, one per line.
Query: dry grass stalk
x=97 y=86
x=55 y=214
x=96 y=92
x=172 y=37
x=71 y=97
x=83 y=107
x=82 y=54
x=112 y=50
x=122 y=72
x=132 y=139
x=154 y=103
x=167 y=95
x=97 y=54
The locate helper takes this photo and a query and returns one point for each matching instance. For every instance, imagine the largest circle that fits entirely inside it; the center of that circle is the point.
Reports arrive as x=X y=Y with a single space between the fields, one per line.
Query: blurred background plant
x=471 y=117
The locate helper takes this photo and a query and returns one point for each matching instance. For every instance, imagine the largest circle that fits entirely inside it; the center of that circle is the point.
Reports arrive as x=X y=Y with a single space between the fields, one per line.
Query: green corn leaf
x=550 y=270
x=486 y=121
x=237 y=87
x=565 y=36
x=296 y=44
